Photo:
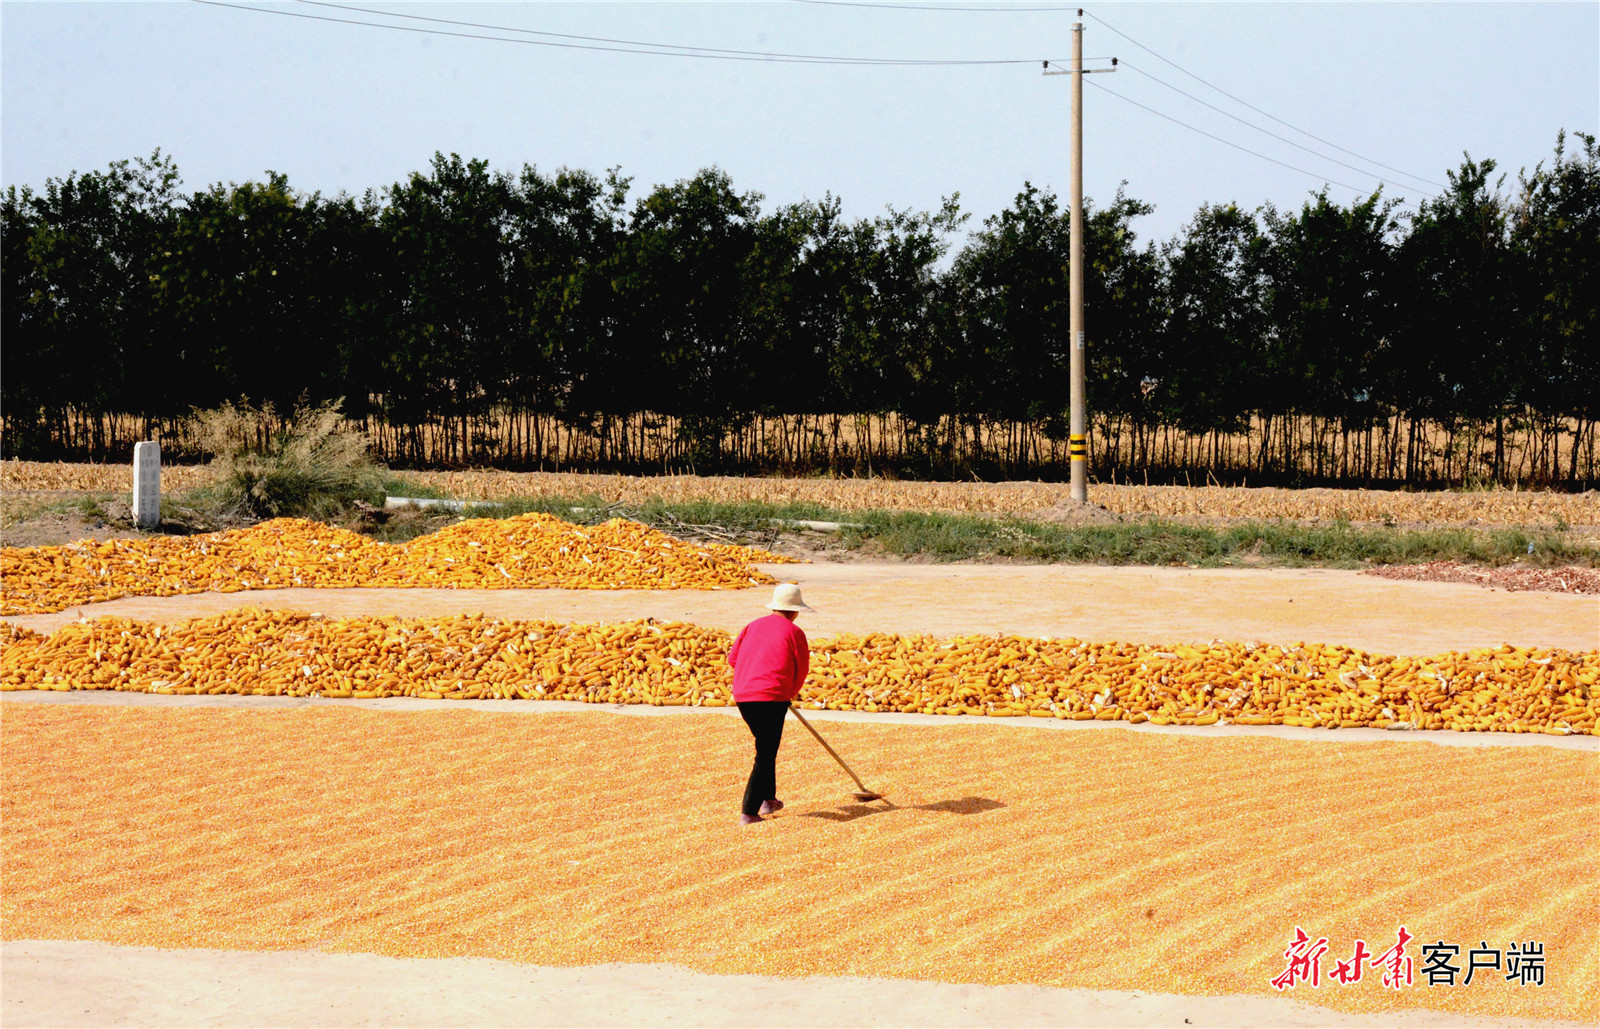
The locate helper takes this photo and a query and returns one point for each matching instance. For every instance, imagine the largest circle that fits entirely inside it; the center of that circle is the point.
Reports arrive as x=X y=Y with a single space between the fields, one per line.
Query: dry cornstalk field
x=533 y=551
x=1023 y=499
x=1532 y=449
x=1100 y=860
x=1490 y=507
x=55 y=476
x=1504 y=689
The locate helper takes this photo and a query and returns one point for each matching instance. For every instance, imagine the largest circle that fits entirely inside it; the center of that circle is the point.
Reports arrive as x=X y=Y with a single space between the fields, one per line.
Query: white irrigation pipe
x=819 y=526
x=793 y=523
x=424 y=503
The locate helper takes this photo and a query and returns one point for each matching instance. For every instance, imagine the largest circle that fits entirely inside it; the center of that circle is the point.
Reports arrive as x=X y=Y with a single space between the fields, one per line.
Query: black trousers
x=765 y=719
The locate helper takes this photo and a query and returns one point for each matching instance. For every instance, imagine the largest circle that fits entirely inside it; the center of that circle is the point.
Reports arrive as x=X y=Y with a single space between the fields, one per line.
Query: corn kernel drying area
x=1111 y=860
x=1107 y=860
x=261 y=653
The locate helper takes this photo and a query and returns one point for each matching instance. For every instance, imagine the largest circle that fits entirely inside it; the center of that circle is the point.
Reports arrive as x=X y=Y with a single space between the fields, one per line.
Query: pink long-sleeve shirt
x=770 y=660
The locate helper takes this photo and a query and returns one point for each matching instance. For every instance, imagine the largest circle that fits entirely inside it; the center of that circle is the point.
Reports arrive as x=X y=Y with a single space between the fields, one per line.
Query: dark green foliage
x=461 y=299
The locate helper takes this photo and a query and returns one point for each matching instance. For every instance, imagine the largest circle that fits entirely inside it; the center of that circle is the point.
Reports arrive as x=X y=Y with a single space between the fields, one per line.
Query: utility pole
x=1078 y=418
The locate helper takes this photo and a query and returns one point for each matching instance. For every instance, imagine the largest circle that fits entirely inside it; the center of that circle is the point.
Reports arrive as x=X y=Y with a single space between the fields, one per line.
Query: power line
x=1274 y=135
x=656 y=49
x=930 y=7
x=612 y=45
x=1135 y=42
x=1258 y=110
x=1219 y=139
x=599 y=39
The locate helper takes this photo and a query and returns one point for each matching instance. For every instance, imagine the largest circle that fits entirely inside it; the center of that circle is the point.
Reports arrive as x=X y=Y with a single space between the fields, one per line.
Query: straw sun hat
x=786 y=597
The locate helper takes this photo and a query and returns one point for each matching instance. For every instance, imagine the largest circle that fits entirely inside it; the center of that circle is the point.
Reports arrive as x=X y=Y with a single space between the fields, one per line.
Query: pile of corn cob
x=527 y=552
x=1503 y=689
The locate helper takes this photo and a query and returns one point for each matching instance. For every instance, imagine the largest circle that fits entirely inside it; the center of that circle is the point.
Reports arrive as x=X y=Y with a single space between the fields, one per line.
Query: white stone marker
x=147 y=485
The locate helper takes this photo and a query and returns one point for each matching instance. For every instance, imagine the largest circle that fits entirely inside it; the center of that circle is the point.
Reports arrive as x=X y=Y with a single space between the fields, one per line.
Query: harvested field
x=1104 y=860
x=1571 y=579
x=1023 y=499
x=58 y=476
x=1504 y=689
x=529 y=551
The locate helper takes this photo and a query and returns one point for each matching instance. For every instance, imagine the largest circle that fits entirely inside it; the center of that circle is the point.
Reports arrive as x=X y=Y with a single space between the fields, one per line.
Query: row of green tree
x=467 y=294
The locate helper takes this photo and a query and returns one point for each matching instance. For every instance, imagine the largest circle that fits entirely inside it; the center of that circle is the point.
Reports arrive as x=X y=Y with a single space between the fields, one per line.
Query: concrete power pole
x=1079 y=427
x=1078 y=420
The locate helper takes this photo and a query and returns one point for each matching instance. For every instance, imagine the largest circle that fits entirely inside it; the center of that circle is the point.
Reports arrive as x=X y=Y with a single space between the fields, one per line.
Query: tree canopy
x=466 y=293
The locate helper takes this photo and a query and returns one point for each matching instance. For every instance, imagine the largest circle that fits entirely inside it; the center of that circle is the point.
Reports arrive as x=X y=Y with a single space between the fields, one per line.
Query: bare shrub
x=309 y=462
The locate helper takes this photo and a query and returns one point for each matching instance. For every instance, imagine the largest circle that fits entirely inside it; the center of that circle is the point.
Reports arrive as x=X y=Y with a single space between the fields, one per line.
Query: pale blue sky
x=231 y=93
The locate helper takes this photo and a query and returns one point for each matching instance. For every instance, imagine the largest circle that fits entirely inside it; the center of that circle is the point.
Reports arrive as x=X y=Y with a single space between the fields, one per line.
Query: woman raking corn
x=770 y=660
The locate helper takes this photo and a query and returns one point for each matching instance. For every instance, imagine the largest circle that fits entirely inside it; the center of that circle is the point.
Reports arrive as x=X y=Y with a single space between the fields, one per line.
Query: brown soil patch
x=1067 y=512
x=59 y=527
x=577 y=839
x=41 y=520
x=1570 y=579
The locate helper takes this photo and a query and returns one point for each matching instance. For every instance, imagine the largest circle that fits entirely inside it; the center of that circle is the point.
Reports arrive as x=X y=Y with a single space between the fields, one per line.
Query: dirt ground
x=73 y=983
x=51 y=528
x=1136 y=604
x=1568 y=579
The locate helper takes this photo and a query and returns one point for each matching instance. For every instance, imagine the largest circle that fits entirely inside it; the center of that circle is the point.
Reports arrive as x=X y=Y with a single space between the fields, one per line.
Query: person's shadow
x=851 y=812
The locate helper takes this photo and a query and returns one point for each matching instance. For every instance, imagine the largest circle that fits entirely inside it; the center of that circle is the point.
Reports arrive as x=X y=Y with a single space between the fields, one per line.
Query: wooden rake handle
x=796 y=709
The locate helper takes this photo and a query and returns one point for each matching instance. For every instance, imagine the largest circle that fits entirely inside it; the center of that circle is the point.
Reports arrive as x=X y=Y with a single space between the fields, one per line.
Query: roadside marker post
x=147 y=485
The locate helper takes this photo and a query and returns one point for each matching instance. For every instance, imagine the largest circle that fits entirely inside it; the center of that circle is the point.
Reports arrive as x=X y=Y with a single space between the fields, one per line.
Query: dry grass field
x=54 y=476
x=1022 y=499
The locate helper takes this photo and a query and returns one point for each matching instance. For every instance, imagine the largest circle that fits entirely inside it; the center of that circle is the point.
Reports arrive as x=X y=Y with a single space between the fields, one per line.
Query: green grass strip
x=952 y=537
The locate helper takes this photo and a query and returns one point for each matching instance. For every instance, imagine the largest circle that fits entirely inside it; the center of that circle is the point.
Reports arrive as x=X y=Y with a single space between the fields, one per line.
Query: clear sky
x=231 y=93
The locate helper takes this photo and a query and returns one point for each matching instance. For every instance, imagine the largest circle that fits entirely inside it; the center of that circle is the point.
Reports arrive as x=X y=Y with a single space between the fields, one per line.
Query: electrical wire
x=1135 y=42
x=1219 y=139
x=1344 y=164
x=929 y=7
x=614 y=45
x=600 y=39
x=1258 y=110
x=656 y=49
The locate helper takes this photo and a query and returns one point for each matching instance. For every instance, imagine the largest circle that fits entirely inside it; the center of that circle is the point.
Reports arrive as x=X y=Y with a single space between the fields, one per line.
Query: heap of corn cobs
x=1501 y=689
x=526 y=552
